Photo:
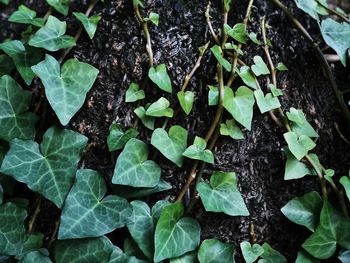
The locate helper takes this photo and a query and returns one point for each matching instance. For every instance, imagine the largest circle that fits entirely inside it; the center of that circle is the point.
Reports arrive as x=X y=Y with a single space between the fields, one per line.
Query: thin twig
x=35 y=214
x=207 y=15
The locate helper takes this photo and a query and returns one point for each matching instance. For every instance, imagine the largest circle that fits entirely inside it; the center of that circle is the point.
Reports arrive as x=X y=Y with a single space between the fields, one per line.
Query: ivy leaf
x=88 y=212
x=251 y=253
x=309 y=7
x=161 y=78
x=281 y=67
x=52 y=36
x=148 y=121
x=234 y=47
x=304 y=210
x=36 y=256
x=212 y=250
x=171 y=145
x=186 y=100
x=240 y=105
x=222 y=195
x=50 y=168
x=160 y=108
x=154 y=17
x=61 y=6
x=118 y=256
x=275 y=91
x=299 y=124
x=89 y=23
x=333 y=229
x=198 y=151
x=190 y=257
x=175 y=235
x=266 y=102
x=133 y=168
x=260 y=68
x=25 y=15
x=271 y=255
x=6 y=65
x=344 y=256
x=345 y=181
x=227 y=5
x=231 y=129
x=213 y=96
x=134 y=93
x=132 y=251
x=117 y=138
x=12 y=231
x=254 y=38
x=32 y=242
x=238 y=32
x=15 y=120
x=299 y=145
x=295 y=169
x=217 y=51
x=304 y=257
x=246 y=74
x=5 y=2
x=65 y=87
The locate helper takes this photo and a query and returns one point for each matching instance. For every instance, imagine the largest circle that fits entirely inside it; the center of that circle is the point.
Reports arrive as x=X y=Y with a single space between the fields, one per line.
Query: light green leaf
x=61 y=6
x=190 y=257
x=260 y=68
x=217 y=51
x=295 y=169
x=134 y=93
x=304 y=257
x=275 y=91
x=240 y=105
x=89 y=23
x=344 y=256
x=37 y=257
x=171 y=145
x=299 y=145
x=146 y=120
x=213 y=96
x=186 y=100
x=6 y=65
x=281 y=67
x=309 y=7
x=345 y=181
x=154 y=17
x=246 y=74
x=137 y=3
x=299 y=124
x=50 y=168
x=266 y=102
x=251 y=253
x=212 y=250
x=52 y=36
x=117 y=138
x=222 y=195
x=231 y=129
x=133 y=168
x=25 y=15
x=254 y=38
x=227 y=5
x=160 y=108
x=88 y=212
x=271 y=255
x=161 y=78
x=175 y=235
x=15 y=120
x=234 y=47
x=304 y=210
x=198 y=151
x=5 y=2
x=65 y=87
x=238 y=32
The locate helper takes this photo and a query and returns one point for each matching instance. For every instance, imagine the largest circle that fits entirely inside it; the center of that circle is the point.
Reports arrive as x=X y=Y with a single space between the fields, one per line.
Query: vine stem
x=334 y=12
x=35 y=214
x=211 y=29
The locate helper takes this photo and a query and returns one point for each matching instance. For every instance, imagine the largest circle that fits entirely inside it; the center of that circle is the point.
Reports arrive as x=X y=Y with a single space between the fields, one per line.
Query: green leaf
x=234 y=47
x=213 y=96
x=217 y=51
x=295 y=169
x=190 y=257
x=299 y=124
x=131 y=250
x=5 y=2
x=271 y=255
x=89 y=23
x=304 y=210
x=160 y=108
x=240 y=105
x=231 y=129
x=345 y=181
x=304 y=257
x=61 y=6
x=154 y=17
x=52 y=36
x=238 y=32
x=148 y=121
x=134 y=93
x=299 y=145
x=275 y=91
x=222 y=195
x=25 y=15
x=251 y=253
x=337 y=36
x=88 y=212
x=254 y=38
x=260 y=68
x=117 y=138
x=50 y=168
x=171 y=145
x=198 y=151
x=344 y=256
x=6 y=65
x=246 y=74
x=12 y=231
x=227 y=5
x=37 y=257
x=137 y=3
x=266 y=102
x=161 y=78
x=33 y=242
x=281 y=67
x=212 y=250
x=15 y=120
x=309 y=7
x=133 y=168
x=186 y=100
x=65 y=87
x=175 y=235
x=333 y=229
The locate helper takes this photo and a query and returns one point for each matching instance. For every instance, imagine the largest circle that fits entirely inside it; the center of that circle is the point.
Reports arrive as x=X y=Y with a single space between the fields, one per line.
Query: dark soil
x=118 y=51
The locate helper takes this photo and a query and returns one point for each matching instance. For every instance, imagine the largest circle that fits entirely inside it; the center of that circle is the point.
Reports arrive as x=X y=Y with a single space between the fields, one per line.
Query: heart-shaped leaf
x=299 y=124
x=251 y=253
x=52 y=36
x=266 y=102
x=217 y=51
x=134 y=93
x=299 y=145
x=160 y=108
x=212 y=250
x=186 y=100
x=117 y=138
x=148 y=121
x=281 y=67
x=198 y=151
x=213 y=96
x=89 y=23
x=175 y=235
x=222 y=195
x=49 y=169
x=345 y=181
x=172 y=146
x=271 y=255
x=25 y=15
x=254 y=38
x=15 y=120
x=65 y=88
x=61 y=6
x=154 y=18
x=246 y=74
x=238 y=32
x=240 y=105
x=133 y=168
x=231 y=129
x=295 y=169
x=259 y=67
x=87 y=212
x=275 y=91
x=161 y=78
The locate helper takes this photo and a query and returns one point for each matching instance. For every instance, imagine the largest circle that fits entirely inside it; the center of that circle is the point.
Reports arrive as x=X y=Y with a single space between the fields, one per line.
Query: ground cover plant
x=122 y=139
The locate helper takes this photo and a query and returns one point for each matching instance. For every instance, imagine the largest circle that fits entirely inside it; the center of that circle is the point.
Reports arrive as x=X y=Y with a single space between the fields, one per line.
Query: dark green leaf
x=61 y=6
x=295 y=169
x=6 y=65
x=117 y=138
x=345 y=181
x=271 y=255
x=37 y=257
x=198 y=151
x=251 y=253
x=190 y=257
x=304 y=257
x=212 y=250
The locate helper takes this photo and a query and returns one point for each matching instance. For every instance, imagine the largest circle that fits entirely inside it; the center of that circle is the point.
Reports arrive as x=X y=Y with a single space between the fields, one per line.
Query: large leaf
x=133 y=168
x=117 y=138
x=212 y=250
x=198 y=151
x=251 y=252
x=299 y=145
x=88 y=212
x=50 y=168
x=175 y=235
x=271 y=255
x=89 y=23
x=160 y=77
x=61 y=6
x=15 y=120
x=171 y=145
x=65 y=88
x=25 y=15
x=304 y=257
x=222 y=195
x=309 y=6
x=295 y=169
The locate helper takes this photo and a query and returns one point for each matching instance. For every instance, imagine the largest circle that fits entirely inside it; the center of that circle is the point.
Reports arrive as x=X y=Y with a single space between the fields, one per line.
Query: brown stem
x=54 y=234
x=207 y=15
x=35 y=214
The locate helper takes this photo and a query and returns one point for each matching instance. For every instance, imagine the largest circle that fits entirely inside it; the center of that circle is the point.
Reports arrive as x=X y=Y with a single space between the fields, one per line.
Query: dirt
x=119 y=53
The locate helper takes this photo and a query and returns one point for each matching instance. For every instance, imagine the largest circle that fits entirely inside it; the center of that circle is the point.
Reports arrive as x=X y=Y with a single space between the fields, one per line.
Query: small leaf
x=231 y=129
x=275 y=91
x=260 y=68
x=213 y=96
x=345 y=181
x=172 y=146
x=133 y=168
x=25 y=15
x=36 y=256
x=198 y=151
x=234 y=47
x=281 y=67
x=238 y=32
x=5 y=2
x=271 y=255
x=266 y=102
x=254 y=38
x=212 y=250
x=160 y=108
x=227 y=5
x=175 y=235
x=217 y=51
x=154 y=17
x=134 y=93
x=61 y=6
x=251 y=253
x=246 y=74
x=186 y=100
x=295 y=169
x=300 y=125
x=161 y=78
x=117 y=138
x=148 y=121
x=299 y=145
x=222 y=195
x=89 y=23
x=329 y=173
